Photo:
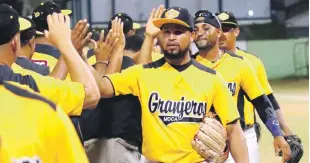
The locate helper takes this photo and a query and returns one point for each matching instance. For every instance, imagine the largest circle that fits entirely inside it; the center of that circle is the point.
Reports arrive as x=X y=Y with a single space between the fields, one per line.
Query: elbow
x=92 y=97
x=235 y=130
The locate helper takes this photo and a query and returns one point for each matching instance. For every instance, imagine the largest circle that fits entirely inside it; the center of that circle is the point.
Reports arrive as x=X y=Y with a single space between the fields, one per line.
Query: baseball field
x=293 y=96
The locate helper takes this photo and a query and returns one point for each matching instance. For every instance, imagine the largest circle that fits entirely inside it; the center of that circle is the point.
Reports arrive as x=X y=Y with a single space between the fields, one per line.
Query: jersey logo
x=40 y=62
x=27 y=159
x=232 y=87
x=176 y=111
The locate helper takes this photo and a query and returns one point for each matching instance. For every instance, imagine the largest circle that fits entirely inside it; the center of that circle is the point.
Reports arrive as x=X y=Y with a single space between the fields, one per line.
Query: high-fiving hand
x=59 y=32
x=151 y=29
x=80 y=36
x=115 y=40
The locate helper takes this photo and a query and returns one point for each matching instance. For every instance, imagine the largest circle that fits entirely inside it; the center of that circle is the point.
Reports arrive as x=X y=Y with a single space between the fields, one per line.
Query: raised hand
x=118 y=33
x=151 y=29
x=80 y=36
x=105 y=46
x=59 y=32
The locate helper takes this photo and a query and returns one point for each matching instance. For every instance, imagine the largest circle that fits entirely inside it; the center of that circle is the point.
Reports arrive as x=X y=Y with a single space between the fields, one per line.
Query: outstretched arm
x=151 y=32
x=60 y=35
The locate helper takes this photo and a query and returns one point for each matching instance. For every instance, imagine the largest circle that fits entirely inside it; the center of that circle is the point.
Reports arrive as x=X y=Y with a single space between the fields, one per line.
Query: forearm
x=237 y=143
x=79 y=72
x=115 y=64
x=101 y=82
x=267 y=114
x=279 y=114
x=101 y=69
x=60 y=71
x=145 y=56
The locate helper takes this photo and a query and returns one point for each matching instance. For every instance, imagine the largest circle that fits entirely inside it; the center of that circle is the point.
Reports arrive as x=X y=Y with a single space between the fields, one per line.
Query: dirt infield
x=293 y=96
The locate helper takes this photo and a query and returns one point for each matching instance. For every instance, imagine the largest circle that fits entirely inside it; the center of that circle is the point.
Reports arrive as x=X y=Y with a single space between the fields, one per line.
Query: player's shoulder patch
x=233 y=54
x=155 y=64
x=195 y=55
x=24 y=93
x=202 y=67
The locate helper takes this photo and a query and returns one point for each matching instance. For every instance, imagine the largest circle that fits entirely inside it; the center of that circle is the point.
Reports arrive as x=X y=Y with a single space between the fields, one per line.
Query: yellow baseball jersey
x=92 y=60
x=240 y=80
x=68 y=95
x=46 y=55
x=258 y=68
x=32 y=129
x=156 y=56
x=174 y=99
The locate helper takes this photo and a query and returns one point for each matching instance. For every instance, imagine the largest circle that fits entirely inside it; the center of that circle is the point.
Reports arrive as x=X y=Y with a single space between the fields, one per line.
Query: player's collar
x=181 y=68
x=210 y=63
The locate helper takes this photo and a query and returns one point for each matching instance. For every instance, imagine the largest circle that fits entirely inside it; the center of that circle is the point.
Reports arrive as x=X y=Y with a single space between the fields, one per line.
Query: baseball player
x=71 y=96
x=33 y=129
x=173 y=101
x=241 y=81
x=27 y=49
x=45 y=52
x=231 y=31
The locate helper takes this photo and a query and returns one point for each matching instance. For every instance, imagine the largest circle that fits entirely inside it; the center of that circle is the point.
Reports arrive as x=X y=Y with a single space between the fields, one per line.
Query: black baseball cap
x=39 y=15
x=28 y=33
x=227 y=18
x=127 y=20
x=175 y=15
x=10 y=23
x=205 y=16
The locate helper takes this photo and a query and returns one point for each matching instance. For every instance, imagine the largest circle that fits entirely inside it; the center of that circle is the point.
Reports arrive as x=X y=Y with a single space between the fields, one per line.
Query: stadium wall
x=278 y=56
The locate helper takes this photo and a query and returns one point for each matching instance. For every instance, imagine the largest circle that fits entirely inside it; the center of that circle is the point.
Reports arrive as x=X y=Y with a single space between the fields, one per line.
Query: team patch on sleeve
x=40 y=62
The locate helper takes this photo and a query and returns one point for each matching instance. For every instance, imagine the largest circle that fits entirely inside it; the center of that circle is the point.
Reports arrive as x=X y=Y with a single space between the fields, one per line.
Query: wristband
x=103 y=62
x=274 y=127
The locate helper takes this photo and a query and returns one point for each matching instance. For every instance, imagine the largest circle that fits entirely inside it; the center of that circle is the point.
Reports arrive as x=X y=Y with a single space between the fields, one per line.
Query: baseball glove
x=296 y=148
x=211 y=141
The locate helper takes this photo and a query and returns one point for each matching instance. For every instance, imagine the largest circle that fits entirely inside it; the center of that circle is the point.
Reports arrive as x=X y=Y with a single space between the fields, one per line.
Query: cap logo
x=36 y=14
x=223 y=16
x=172 y=13
x=200 y=19
x=42 y=4
x=119 y=14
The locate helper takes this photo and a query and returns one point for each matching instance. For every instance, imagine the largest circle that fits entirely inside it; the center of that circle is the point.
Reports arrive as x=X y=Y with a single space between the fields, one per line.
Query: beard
x=178 y=55
x=204 y=45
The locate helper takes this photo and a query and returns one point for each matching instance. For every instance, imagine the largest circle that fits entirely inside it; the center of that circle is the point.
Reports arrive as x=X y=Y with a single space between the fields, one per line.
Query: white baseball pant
x=251 y=141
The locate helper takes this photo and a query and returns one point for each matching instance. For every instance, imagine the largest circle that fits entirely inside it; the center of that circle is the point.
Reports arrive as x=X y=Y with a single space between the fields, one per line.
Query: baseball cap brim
x=66 y=12
x=136 y=26
x=229 y=23
x=23 y=24
x=161 y=21
x=39 y=33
